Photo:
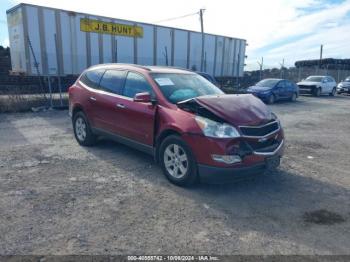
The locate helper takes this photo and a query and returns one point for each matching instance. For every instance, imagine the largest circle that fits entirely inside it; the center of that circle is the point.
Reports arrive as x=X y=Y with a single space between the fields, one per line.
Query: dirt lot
x=59 y=198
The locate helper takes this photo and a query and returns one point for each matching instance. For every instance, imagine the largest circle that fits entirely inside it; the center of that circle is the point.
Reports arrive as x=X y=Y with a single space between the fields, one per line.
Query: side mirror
x=143 y=97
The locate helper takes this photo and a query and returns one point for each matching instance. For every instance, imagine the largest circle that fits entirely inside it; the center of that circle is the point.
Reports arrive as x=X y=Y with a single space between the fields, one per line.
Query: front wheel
x=334 y=90
x=317 y=91
x=82 y=130
x=271 y=99
x=177 y=161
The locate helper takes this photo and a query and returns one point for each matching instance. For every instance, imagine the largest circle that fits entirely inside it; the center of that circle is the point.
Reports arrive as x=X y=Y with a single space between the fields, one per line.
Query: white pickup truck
x=318 y=85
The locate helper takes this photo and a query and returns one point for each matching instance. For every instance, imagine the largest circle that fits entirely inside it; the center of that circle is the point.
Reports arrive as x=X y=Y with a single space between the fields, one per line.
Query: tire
x=179 y=168
x=271 y=99
x=317 y=91
x=334 y=91
x=294 y=97
x=82 y=130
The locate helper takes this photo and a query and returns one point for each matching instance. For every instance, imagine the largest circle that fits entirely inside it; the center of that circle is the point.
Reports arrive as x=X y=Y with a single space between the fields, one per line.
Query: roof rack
x=174 y=67
x=135 y=65
x=126 y=64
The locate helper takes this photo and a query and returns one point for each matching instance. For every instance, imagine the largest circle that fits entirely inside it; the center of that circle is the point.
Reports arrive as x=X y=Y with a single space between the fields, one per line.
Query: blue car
x=209 y=78
x=271 y=90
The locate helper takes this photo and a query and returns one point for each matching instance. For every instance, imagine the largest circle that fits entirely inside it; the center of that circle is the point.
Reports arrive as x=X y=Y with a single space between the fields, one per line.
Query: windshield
x=267 y=83
x=180 y=87
x=347 y=79
x=314 y=79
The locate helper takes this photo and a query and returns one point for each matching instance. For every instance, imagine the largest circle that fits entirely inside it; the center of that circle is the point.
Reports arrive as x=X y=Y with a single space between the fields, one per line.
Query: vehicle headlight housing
x=273 y=116
x=212 y=128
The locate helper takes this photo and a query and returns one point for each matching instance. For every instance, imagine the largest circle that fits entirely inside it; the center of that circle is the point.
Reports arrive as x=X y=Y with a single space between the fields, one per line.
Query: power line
x=175 y=18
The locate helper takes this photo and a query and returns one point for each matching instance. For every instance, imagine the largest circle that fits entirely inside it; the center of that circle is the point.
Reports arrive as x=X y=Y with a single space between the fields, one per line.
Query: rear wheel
x=82 y=130
x=317 y=91
x=177 y=161
x=294 y=97
x=334 y=90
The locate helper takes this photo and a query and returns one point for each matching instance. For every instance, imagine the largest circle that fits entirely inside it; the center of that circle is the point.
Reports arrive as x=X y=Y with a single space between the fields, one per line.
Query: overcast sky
x=274 y=29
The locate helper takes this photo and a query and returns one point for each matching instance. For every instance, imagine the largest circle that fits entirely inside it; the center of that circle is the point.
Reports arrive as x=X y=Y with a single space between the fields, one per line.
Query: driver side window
x=135 y=83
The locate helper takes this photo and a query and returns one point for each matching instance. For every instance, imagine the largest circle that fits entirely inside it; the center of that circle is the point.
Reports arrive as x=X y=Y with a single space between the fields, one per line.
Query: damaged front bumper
x=214 y=174
x=254 y=160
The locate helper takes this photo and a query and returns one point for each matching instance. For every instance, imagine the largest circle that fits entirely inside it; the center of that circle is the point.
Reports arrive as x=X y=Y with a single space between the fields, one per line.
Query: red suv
x=194 y=130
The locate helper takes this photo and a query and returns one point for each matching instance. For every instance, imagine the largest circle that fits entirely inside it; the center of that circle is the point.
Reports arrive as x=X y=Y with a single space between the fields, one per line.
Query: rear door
x=332 y=84
x=290 y=89
x=137 y=118
x=281 y=89
x=90 y=81
x=106 y=99
x=325 y=84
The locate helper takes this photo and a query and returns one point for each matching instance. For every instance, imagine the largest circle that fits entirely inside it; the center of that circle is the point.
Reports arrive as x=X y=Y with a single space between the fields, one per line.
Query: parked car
x=209 y=77
x=271 y=90
x=344 y=86
x=318 y=85
x=194 y=130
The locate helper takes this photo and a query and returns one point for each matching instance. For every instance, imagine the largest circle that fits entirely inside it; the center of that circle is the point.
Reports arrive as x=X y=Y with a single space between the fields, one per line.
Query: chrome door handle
x=121 y=105
x=92 y=98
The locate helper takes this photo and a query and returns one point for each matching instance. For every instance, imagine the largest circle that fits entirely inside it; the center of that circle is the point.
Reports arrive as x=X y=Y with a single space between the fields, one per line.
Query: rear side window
x=112 y=81
x=92 y=78
x=289 y=84
x=136 y=83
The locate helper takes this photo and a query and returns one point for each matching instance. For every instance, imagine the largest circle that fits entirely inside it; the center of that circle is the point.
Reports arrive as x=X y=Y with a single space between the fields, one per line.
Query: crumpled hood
x=306 y=83
x=237 y=110
x=258 y=89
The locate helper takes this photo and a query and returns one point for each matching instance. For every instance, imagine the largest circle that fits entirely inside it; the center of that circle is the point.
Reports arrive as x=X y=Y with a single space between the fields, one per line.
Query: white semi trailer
x=50 y=41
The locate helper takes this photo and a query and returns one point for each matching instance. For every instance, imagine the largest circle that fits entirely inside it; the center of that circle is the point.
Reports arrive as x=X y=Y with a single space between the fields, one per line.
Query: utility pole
x=261 y=64
x=166 y=56
x=282 y=66
x=321 y=53
x=201 y=11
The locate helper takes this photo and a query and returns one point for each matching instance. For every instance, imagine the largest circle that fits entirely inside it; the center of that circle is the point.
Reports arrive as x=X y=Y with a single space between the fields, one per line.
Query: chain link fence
x=294 y=74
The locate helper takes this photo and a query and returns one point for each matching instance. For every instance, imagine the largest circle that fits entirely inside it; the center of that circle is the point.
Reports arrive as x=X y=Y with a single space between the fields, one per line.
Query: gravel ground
x=57 y=197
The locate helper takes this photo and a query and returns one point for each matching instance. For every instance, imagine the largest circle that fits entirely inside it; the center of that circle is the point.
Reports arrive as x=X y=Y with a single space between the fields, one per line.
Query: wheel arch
x=162 y=135
x=77 y=108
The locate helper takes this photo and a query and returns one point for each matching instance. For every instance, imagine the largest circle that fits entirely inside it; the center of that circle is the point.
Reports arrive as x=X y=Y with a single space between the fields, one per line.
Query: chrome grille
x=260 y=131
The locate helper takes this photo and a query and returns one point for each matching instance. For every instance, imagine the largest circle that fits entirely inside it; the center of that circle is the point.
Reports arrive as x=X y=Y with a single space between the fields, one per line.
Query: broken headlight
x=212 y=128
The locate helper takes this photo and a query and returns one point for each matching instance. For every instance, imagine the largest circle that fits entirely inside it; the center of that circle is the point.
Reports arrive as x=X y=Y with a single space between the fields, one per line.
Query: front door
x=137 y=118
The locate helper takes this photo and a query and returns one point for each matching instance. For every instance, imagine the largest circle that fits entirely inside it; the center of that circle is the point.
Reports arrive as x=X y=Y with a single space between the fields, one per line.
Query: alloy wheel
x=80 y=128
x=176 y=161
